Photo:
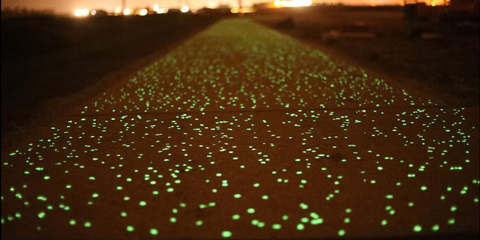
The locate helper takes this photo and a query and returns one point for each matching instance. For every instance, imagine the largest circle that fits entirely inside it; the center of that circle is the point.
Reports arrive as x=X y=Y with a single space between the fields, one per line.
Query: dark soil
x=47 y=60
x=445 y=66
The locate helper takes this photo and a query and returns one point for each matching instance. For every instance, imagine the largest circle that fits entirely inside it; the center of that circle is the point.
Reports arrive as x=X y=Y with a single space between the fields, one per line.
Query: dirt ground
x=445 y=67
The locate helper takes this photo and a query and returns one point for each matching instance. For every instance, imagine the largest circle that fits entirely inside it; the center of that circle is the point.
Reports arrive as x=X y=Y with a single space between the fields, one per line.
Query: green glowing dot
x=300 y=227
x=73 y=222
x=417 y=228
x=237 y=195
x=316 y=221
x=384 y=222
x=87 y=224
x=276 y=226
x=236 y=217
x=436 y=227
x=199 y=223
x=130 y=229
x=226 y=234
x=154 y=232
x=143 y=203
x=251 y=210
x=303 y=206
x=341 y=233
x=173 y=220
x=41 y=215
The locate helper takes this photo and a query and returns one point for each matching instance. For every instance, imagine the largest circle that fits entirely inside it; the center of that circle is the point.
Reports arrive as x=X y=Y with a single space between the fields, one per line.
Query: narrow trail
x=243 y=132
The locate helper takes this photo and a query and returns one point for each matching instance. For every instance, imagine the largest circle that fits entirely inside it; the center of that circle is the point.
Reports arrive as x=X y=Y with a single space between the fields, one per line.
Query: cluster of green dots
x=247 y=129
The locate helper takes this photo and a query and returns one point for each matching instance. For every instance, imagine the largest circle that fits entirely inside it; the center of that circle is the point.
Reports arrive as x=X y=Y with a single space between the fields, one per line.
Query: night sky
x=67 y=6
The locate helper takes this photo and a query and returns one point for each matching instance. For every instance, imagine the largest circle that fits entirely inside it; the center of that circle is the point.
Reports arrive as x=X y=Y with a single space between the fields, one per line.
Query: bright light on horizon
x=69 y=6
x=162 y=10
x=293 y=3
x=185 y=9
x=81 y=12
x=143 y=12
x=127 y=11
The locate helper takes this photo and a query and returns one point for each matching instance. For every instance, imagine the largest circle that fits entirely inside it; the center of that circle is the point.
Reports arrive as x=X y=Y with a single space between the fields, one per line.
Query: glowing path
x=246 y=133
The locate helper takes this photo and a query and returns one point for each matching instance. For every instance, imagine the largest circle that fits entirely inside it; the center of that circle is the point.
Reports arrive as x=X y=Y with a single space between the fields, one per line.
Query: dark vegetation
x=46 y=59
x=444 y=65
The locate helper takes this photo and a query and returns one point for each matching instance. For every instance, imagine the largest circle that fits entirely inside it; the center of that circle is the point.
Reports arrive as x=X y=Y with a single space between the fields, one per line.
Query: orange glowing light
x=81 y=12
x=118 y=11
x=162 y=10
x=127 y=11
x=143 y=12
x=293 y=3
x=185 y=9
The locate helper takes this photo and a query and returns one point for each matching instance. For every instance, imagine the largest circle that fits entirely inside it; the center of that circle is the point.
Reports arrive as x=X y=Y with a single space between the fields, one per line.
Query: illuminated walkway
x=246 y=133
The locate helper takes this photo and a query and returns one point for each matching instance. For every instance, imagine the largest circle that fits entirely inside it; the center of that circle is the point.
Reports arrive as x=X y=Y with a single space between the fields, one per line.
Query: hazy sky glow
x=68 y=6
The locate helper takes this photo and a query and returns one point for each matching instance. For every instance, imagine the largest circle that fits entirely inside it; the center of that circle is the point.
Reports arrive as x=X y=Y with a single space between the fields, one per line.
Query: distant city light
x=162 y=10
x=143 y=12
x=212 y=5
x=185 y=9
x=293 y=3
x=127 y=11
x=82 y=12
x=118 y=11
x=156 y=8
x=93 y=12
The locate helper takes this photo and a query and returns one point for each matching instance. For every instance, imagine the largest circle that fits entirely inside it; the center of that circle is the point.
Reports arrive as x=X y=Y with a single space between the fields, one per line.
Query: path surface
x=246 y=133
